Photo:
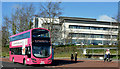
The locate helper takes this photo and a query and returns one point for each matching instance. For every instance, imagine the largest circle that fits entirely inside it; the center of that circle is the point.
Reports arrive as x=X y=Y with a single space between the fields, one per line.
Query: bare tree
x=5 y=31
x=21 y=20
x=49 y=12
x=0 y=39
x=68 y=39
x=117 y=18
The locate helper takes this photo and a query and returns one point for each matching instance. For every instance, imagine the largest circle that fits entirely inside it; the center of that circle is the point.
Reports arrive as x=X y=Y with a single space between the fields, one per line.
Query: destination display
x=40 y=37
x=41 y=41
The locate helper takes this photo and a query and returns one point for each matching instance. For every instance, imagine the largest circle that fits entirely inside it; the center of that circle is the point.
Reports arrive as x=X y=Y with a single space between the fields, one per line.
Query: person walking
x=107 y=55
x=75 y=56
x=72 y=57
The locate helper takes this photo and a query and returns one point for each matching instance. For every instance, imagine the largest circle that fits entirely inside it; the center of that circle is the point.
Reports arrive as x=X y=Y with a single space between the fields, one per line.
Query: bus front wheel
x=13 y=60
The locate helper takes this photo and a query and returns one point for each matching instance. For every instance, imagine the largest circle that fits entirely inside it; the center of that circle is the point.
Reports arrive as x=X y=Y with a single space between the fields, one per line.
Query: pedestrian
x=72 y=57
x=75 y=56
x=107 y=55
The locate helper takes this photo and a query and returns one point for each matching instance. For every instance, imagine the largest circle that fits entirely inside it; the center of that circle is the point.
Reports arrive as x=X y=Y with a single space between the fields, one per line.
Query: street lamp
x=111 y=31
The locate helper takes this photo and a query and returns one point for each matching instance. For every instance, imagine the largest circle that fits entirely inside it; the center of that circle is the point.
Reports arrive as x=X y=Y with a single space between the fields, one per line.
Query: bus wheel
x=13 y=60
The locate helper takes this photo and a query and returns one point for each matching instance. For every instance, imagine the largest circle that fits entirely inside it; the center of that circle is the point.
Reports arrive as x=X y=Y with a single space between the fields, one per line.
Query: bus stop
x=89 y=55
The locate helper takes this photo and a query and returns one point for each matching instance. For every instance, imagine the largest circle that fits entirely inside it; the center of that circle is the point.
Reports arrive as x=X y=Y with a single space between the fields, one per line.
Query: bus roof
x=27 y=31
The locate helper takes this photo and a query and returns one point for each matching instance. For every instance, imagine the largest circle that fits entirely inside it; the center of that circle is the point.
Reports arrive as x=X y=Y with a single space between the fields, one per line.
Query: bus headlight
x=33 y=59
x=50 y=59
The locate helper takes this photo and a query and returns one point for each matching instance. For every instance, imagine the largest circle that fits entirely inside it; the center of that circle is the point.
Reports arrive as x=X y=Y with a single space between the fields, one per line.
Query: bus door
x=23 y=47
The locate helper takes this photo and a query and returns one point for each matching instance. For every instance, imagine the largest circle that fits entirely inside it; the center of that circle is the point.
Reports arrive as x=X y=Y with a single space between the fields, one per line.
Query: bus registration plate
x=42 y=62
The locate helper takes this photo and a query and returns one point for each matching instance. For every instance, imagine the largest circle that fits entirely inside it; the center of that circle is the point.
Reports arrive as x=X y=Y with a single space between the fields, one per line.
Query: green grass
x=65 y=51
x=65 y=54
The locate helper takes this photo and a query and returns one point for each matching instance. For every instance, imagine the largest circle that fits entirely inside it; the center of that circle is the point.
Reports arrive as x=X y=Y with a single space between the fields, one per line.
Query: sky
x=90 y=9
x=97 y=10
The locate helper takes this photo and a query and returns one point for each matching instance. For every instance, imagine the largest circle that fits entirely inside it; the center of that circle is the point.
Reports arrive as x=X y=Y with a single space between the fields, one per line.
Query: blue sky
x=72 y=9
x=90 y=9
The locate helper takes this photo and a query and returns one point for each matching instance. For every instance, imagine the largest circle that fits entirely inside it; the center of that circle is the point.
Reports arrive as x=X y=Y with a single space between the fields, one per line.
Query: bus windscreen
x=41 y=43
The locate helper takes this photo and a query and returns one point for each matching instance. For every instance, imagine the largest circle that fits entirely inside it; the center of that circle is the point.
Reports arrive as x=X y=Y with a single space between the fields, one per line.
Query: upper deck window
x=21 y=36
x=40 y=33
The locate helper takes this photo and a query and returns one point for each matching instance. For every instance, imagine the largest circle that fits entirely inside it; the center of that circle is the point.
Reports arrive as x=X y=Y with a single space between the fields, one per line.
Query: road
x=64 y=63
x=10 y=65
x=56 y=63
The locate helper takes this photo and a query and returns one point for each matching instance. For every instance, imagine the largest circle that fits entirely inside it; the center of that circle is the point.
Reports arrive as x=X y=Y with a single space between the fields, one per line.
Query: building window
x=36 y=22
x=84 y=35
x=92 y=28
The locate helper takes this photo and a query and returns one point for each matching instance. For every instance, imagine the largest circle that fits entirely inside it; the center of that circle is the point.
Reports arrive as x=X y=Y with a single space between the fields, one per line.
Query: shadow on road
x=56 y=62
x=59 y=62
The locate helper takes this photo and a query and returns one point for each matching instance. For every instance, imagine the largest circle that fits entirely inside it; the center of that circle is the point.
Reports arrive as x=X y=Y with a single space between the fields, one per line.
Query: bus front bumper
x=33 y=61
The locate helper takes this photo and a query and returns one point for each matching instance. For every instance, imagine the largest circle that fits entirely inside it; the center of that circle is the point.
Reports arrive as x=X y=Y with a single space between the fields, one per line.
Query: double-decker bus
x=31 y=47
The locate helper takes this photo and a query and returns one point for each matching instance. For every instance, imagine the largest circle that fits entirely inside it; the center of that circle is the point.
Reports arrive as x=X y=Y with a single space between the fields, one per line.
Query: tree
x=0 y=39
x=5 y=31
x=21 y=20
x=14 y=25
x=48 y=13
x=117 y=18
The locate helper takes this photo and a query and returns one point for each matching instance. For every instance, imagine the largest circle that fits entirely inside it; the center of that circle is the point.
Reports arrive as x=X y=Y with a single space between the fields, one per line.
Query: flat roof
x=83 y=19
x=77 y=18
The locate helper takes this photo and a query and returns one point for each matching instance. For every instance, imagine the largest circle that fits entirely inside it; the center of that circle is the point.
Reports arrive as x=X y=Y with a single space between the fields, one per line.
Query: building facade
x=86 y=31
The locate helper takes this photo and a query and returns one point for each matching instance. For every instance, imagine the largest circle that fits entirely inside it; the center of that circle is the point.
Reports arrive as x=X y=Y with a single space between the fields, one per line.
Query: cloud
x=106 y=18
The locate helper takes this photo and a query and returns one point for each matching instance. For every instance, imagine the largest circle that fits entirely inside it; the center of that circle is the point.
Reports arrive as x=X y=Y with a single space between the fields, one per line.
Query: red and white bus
x=31 y=47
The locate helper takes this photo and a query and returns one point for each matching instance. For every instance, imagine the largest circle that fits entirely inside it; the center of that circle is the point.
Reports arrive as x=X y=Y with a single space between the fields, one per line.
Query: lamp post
x=111 y=32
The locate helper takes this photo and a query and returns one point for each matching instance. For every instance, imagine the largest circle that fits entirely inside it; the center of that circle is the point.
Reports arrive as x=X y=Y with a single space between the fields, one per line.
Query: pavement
x=66 y=63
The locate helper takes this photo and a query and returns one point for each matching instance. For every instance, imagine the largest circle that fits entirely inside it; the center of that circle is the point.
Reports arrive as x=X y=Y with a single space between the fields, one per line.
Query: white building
x=37 y=21
x=83 y=30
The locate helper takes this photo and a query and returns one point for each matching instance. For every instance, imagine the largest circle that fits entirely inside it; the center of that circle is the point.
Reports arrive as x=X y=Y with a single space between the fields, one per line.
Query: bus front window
x=41 y=51
x=41 y=43
x=40 y=33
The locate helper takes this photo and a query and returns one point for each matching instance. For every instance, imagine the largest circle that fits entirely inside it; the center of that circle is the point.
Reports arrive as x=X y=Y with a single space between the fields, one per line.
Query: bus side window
x=20 y=50
x=12 y=51
x=28 y=51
